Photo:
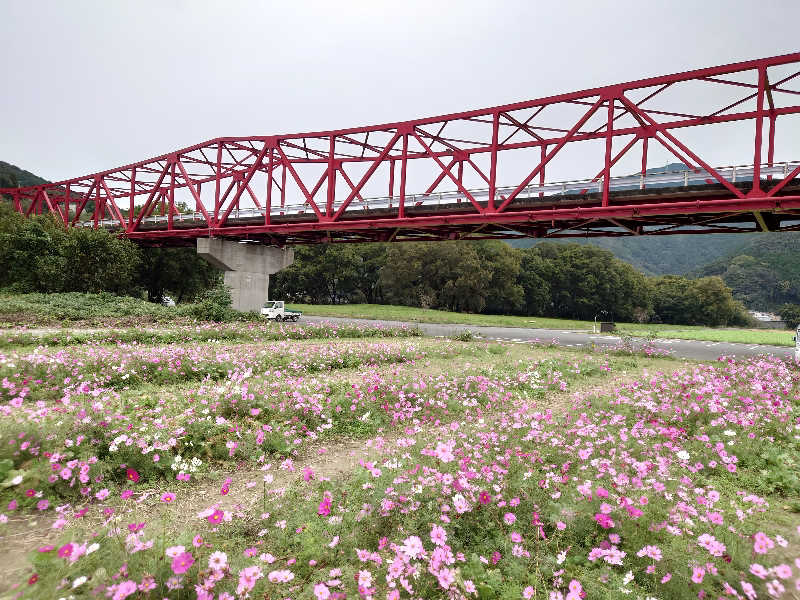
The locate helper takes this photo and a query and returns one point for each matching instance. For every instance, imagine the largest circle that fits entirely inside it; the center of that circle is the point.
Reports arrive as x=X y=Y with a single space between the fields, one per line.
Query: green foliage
x=464 y=336
x=764 y=273
x=790 y=313
x=74 y=306
x=40 y=255
x=442 y=275
x=331 y=274
x=178 y=272
x=582 y=282
x=704 y=301
x=549 y=280
x=214 y=305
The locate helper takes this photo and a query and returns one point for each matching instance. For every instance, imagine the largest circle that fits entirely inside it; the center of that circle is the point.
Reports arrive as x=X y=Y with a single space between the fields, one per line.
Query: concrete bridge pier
x=247 y=268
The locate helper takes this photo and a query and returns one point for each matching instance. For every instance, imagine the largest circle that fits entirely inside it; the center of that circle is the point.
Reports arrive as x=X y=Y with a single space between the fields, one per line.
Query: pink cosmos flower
x=148 y=584
x=604 y=521
x=321 y=591
x=216 y=517
x=412 y=547
x=324 y=508
x=438 y=535
x=123 y=590
x=697 y=574
x=168 y=497
x=182 y=563
x=280 y=576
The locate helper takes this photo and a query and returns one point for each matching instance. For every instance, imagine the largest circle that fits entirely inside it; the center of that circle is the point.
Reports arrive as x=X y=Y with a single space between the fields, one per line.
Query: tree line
x=551 y=280
x=39 y=254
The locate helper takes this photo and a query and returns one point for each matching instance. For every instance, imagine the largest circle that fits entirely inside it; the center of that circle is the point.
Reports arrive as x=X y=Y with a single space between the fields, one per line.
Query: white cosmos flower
x=218 y=561
x=683 y=455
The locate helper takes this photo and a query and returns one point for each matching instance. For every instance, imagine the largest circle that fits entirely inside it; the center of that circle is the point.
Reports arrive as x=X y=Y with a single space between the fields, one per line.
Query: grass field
x=318 y=461
x=420 y=315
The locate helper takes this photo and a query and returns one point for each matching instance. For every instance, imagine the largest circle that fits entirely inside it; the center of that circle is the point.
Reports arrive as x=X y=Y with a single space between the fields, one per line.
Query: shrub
x=214 y=305
x=790 y=313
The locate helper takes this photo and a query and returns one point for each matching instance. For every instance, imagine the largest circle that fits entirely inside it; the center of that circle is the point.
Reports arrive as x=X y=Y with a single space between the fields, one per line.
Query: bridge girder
x=320 y=186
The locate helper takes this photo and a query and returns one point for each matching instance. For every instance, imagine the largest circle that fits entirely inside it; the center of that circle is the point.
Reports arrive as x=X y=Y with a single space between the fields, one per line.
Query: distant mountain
x=17 y=177
x=664 y=255
x=764 y=273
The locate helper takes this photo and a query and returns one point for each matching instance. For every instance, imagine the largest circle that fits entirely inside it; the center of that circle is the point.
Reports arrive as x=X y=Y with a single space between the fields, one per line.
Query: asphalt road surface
x=691 y=349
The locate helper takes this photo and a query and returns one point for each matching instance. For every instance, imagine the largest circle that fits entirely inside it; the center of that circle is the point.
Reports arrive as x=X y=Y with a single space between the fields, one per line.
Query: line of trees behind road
x=552 y=280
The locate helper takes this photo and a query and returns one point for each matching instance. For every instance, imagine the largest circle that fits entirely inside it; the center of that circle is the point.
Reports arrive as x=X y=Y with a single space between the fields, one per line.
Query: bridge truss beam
x=506 y=150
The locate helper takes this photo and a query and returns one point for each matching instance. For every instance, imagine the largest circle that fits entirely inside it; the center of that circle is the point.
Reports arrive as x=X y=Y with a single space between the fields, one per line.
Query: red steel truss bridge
x=483 y=173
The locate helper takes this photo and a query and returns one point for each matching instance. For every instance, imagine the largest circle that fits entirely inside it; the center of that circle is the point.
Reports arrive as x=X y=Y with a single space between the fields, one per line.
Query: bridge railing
x=669 y=179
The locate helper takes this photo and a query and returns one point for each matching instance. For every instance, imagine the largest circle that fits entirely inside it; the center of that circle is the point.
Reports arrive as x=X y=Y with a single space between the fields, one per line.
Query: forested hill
x=13 y=176
x=764 y=273
x=668 y=254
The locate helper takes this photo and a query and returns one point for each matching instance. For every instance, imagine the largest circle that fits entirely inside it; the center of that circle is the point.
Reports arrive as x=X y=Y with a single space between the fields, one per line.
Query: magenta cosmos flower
x=182 y=563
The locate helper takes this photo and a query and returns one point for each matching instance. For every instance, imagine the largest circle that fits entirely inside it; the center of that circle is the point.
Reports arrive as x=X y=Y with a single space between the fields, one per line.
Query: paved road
x=691 y=349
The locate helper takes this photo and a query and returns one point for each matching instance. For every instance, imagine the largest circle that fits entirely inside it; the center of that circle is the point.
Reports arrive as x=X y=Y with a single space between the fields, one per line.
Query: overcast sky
x=90 y=85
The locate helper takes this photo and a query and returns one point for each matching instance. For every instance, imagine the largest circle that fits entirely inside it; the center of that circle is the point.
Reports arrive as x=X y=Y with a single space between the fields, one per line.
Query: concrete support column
x=247 y=268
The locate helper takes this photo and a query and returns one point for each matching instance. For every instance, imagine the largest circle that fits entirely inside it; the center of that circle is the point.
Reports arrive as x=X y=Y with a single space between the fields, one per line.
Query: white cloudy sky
x=89 y=85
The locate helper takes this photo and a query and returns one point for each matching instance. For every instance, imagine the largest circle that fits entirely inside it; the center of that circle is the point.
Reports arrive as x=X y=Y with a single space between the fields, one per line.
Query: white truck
x=797 y=344
x=275 y=310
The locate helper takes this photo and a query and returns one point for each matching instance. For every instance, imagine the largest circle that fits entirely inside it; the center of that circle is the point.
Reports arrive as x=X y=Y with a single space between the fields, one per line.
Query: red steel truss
x=475 y=174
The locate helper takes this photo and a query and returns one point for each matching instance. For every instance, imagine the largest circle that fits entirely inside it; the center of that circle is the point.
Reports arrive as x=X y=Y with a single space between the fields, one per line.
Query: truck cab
x=276 y=310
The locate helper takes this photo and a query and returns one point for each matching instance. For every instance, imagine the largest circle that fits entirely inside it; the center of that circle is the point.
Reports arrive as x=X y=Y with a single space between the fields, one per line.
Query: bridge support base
x=247 y=268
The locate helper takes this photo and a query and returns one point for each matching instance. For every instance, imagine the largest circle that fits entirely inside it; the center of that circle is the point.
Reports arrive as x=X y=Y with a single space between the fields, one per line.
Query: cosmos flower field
x=324 y=461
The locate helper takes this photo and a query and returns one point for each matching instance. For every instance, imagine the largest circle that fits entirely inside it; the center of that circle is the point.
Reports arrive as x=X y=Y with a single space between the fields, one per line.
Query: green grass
x=772 y=337
x=425 y=315
x=109 y=310
x=74 y=306
x=420 y=315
